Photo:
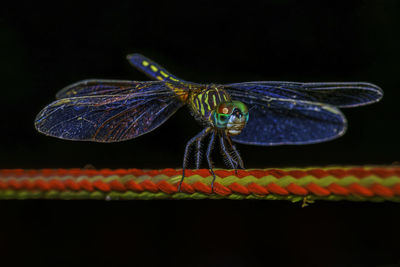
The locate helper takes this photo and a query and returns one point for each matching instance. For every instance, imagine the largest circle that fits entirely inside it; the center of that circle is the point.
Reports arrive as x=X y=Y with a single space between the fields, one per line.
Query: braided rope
x=295 y=184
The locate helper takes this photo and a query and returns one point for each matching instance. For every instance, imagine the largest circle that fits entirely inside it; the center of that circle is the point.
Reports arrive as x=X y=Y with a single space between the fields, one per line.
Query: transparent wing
x=347 y=94
x=121 y=114
x=278 y=121
x=95 y=87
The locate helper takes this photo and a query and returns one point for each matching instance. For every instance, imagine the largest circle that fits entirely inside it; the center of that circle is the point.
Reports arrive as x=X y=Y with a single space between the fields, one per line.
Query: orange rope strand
x=295 y=184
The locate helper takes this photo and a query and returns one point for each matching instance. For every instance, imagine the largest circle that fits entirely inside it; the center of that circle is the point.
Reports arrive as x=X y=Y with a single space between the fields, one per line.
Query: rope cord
x=294 y=184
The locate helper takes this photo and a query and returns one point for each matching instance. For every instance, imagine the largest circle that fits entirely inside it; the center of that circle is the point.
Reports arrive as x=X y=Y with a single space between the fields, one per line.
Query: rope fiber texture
x=294 y=184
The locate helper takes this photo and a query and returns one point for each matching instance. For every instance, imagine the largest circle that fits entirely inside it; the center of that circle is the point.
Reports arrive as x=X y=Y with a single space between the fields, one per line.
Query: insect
x=261 y=113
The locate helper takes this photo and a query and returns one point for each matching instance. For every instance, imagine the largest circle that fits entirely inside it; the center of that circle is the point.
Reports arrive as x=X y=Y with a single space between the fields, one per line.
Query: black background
x=44 y=47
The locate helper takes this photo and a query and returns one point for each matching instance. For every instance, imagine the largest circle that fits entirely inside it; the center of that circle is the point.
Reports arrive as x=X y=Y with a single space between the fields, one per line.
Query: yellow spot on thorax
x=159 y=78
x=153 y=68
x=145 y=63
x=201 y=108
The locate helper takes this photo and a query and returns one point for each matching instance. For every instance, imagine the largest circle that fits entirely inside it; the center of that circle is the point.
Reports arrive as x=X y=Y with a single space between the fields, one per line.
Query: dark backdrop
x=44 y=47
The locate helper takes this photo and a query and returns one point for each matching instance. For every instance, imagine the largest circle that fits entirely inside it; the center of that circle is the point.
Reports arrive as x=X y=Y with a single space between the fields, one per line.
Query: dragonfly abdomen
x=203 y=102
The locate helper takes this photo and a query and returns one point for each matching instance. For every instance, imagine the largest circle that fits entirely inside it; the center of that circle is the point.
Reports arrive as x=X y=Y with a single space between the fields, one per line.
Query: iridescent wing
x=298 y=113
x=346 y=94
x=102 y=87
x=108 y=111
x=279 y=121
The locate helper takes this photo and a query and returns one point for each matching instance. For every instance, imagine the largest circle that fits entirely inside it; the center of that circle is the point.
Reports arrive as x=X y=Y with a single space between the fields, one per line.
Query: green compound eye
x=241 y=106
x=220 y=120
x=222 y=114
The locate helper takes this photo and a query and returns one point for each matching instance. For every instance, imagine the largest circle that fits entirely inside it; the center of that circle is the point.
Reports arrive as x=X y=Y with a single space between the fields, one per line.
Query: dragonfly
x=263 y=113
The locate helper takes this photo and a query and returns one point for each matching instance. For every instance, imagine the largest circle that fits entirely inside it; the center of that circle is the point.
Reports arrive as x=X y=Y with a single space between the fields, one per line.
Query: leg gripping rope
x=295 y=184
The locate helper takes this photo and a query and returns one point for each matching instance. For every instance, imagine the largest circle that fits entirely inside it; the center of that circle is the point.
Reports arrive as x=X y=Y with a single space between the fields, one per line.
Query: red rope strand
x=43 y=184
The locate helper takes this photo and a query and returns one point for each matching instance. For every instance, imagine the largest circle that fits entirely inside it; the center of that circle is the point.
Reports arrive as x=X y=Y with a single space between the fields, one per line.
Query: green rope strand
x=305 y=185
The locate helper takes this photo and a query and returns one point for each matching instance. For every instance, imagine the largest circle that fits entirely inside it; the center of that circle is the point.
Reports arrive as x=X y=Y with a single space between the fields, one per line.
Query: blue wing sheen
x=344 y=94
x=274 y=121
x=95 y=87
x=119 y=115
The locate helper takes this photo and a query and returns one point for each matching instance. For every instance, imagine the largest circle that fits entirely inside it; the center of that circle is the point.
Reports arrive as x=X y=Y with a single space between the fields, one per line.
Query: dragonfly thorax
x=203 y=102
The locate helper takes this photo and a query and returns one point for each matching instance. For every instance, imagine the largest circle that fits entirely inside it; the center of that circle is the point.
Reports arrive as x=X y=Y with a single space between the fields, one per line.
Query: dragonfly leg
x=227 y=156
x=187 y=151
x=236 y=153
x=238 y=157
x=210 y=165
x=198 y=149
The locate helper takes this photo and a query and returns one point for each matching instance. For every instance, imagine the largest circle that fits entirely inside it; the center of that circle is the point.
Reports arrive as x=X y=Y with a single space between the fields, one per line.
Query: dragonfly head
x=230 y=116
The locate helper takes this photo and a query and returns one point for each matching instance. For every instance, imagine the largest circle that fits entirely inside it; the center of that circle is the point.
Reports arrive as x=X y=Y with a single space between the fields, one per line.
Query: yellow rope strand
x=294 y=184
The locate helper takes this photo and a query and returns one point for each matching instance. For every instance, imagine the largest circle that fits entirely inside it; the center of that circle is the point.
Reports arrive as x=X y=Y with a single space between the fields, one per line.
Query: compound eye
x=223 y=118
x=241 y=106
x=225 y=108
